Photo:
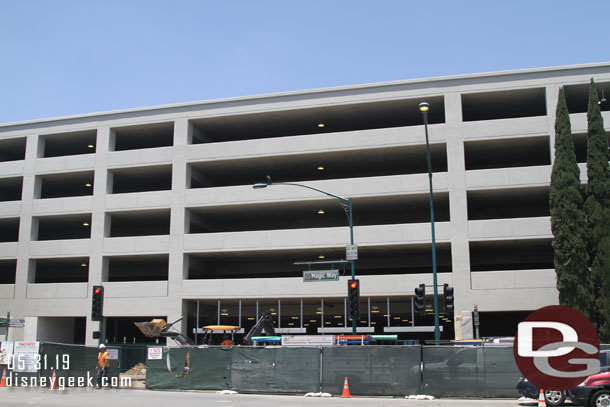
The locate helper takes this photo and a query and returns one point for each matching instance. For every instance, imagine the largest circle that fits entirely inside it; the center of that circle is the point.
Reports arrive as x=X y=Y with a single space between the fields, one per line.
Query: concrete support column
x=182 y=130
x=22 y=276
x=552 y=96
x=98 y=226
x=458 y=207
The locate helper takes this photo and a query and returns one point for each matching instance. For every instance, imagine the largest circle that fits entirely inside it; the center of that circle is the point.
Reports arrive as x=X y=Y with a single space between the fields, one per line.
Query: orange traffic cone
x=541 y=399
x=53 y=384
x=345 y=389
x=3 y=381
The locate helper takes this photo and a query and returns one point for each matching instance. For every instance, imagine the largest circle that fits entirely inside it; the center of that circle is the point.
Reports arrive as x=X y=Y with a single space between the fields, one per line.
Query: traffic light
x=97 y=303
x=353 y=293
x=420 y=300
x=448 y=294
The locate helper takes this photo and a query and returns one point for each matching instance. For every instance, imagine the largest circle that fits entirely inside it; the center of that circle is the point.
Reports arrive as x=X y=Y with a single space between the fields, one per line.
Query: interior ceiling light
x=83 y=265
x=91 y=146
x=321 y=212
x=320 y=168
x=85 y=223
x=88 y=185
x=321 y=256
x=321 y=125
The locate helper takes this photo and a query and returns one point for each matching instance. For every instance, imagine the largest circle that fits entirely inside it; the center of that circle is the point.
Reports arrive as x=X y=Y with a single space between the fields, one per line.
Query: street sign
x=321 y=275
x=11 y=325
x=351 y=252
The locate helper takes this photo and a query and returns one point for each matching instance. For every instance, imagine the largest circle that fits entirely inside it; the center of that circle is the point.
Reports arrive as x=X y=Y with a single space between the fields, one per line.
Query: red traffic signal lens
x=96 y=290
x=353 y=285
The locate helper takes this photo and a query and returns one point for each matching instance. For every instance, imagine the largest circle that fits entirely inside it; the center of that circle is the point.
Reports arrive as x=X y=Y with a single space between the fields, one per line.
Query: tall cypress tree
x=597 y=209
x=568 y=219
x=602 y=265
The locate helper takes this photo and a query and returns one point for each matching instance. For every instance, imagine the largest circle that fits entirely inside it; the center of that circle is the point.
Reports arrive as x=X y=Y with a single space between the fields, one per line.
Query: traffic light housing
x=353 y=293
x=97 y=303
x=448 y=294
x=420 y=300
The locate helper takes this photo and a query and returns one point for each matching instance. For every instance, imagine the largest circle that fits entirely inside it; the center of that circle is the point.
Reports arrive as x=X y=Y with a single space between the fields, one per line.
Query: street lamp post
x=423 y=108
x=346 y=204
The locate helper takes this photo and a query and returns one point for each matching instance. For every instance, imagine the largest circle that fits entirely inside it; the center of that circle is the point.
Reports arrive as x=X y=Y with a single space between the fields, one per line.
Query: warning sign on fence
x=155 y=353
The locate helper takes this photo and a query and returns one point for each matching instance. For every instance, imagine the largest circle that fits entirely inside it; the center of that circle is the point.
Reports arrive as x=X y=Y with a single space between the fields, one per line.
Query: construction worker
x=102 y=366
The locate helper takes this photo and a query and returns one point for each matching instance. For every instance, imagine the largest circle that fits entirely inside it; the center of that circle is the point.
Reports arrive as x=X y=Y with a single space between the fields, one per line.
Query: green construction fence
x=371 y=370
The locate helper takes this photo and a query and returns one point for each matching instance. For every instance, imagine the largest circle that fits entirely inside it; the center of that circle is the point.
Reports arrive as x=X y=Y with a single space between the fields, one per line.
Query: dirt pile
x=137 y=370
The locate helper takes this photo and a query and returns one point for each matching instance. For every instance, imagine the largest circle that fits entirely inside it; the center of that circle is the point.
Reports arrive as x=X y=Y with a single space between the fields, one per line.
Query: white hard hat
x=102 y=346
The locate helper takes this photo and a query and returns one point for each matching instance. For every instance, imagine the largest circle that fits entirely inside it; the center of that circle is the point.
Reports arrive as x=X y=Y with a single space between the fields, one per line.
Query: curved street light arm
x=346 y=203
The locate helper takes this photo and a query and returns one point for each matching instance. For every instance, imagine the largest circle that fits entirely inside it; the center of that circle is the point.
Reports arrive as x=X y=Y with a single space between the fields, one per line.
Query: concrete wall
x=51 y=329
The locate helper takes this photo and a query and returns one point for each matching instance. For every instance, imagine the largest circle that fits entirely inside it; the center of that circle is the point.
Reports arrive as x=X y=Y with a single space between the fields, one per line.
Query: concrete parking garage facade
x=157 y=205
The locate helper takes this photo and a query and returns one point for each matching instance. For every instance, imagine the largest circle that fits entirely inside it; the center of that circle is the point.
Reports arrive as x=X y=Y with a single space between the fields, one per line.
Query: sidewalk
x=77 y=397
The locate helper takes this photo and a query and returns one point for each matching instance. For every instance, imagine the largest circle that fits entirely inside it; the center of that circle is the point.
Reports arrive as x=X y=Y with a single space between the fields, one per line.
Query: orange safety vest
x=102 y=359
x=226 y=342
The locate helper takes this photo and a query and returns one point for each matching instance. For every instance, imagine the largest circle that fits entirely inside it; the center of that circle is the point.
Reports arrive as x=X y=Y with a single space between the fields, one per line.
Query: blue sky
x=61 y=57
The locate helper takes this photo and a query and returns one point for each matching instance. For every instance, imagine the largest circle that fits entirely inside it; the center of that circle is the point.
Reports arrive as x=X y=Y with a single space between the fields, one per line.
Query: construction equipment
x=158 y=328
x=224 y=329
x=264 y=324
